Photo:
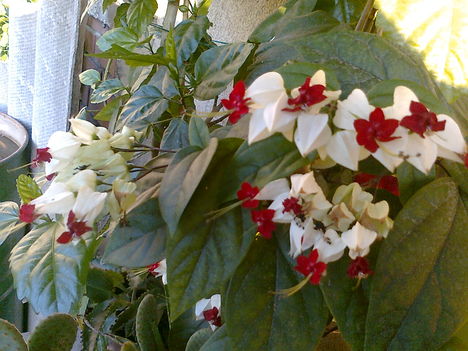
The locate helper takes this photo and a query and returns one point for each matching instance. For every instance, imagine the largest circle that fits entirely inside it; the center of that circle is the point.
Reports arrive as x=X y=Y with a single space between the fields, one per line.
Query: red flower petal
x=387 y=182
x=421 y=120
x=292 y=205
x=308 y=265
x=65 y=238
x=237 y=102
x=308 y=96
x=26 y=213
x=42 y=155
x=264 y=218
x=359 y=268
x=76 y=227
x=247 y=193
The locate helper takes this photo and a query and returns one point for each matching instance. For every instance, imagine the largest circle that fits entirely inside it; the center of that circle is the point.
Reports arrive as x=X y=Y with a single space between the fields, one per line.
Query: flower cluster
x=350 y=221
x=406 y=131
x=87 y=173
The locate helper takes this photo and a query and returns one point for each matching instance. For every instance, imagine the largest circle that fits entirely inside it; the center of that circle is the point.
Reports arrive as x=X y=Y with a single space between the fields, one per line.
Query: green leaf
x=27 y=188
x=132 y=59
x=49 y=275
x=55 y=333
x=141 y=241
x=216 y=67
x=199 y=135
x=294 y=13
x=262 y=162
x=458 y=172
x=187 y=36
x=122 y=36
x=203 y=7
x=140 y=14
x=437 y=31
x=105 y=90
x=200 y=239
x=219 y=340
x=106 y=4
x=145 y=106
x=381 y=94
x=343 y=10
x=410 y=180
x=147 y=320
x=295 y=74
x=111 y=110
x=170 y=45
x=198 y=339
x=176 y=135
x=359 y=60
x=459 y=342
x=90 y=77
x=419 y=298
x=9 y=213
x=181 y=179
x=11 y=339
x=258 y=319
x=182 y=329
x=101 y=282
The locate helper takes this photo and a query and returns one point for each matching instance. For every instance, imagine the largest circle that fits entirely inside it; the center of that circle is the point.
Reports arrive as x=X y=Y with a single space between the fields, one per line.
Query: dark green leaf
x=176 y=135
x=199 y=135
x=205 y=251
x=419 y=298
x=11 y=340
x=343 y=10
x=216 y=67
x=147 y=320
x=198 y=339
x=145 y=106
x=294 y=74
x=459 y=342
x=140 y=14
x=359 y=60
x=410 y=180
x=182 y=329
x=111 y=110
x=262 y=162
x=163 y=81
x=218 y=341
x=90 y=77
x=258 y=319
x=27 y=188
x=54 y=333
x=181 y=180
x=105 y=90
x=49 y=275
x=458 y=172
x=101 y=282
x=8 y=219
x=187 y=36
x=120 y=36
x=294 y=13
x=142 y=241
x=131 y=58
x=120 y=17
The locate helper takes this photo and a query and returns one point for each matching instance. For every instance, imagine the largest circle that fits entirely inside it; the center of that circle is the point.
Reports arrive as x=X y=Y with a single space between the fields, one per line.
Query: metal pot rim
x=14 y=130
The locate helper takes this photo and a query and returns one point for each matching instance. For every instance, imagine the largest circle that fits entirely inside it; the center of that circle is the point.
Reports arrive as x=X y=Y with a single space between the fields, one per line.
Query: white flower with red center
x=209 y=310
x=299 y=205
x=366 y=130
x=358 y=239
x=428 y=134
x=159 y=269
x=274 y=111
x=63 y=147
x=57 y=199
x=330 y=246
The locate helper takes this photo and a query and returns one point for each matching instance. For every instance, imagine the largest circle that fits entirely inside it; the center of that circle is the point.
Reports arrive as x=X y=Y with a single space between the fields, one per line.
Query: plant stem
x=366 y=12
x=169 y=18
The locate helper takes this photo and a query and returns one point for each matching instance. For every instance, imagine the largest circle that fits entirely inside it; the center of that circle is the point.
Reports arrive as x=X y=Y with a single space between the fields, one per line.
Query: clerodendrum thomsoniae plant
x=322 y=200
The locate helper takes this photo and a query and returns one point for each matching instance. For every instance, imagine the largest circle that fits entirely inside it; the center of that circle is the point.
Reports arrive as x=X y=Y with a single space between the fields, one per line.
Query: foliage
x=155 y=232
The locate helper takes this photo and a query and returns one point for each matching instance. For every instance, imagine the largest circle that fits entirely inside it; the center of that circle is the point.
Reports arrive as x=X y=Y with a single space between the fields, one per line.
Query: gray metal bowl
x=14 y=131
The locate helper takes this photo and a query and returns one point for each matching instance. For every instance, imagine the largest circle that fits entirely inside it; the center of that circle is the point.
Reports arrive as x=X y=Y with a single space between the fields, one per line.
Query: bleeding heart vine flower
x=358 y=239
x=299 y=205
x=159 y=269
x=311 y=267
x=264 y=220
x=386 y=182
x=209 y=310
x=367 y=130
x=57 y=199
x=27 y=213
x=42 y=156
x=76 y=228
x=428 y=135
x=330 y=246
x=237 y=103
x=247 y=194
x=359 y=268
